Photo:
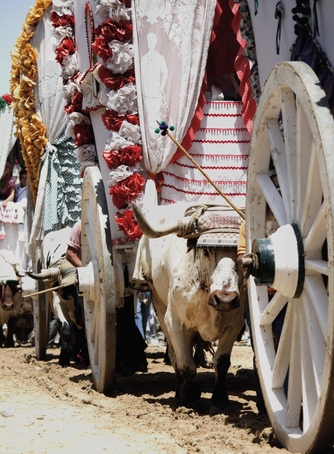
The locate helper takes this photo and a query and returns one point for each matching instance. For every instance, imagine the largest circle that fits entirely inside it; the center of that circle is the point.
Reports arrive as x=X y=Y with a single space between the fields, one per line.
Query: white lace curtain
x=49 y=105
x=49 y=90
x=7 y=138
x=171 y=40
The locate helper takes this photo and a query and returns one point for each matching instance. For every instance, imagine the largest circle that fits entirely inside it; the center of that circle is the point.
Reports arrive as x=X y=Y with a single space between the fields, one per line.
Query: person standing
x=143 y=311
x=21 y=188
x=7 y=188
x=73 y=252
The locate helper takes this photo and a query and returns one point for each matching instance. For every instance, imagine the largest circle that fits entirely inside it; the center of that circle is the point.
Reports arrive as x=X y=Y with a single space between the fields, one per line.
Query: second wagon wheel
x=41 y=316
x=96 y=281
x=289 y=229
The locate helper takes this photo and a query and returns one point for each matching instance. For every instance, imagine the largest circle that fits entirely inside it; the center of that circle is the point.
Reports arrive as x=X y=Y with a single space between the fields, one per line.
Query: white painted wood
x=99 y=301
x=294 y=130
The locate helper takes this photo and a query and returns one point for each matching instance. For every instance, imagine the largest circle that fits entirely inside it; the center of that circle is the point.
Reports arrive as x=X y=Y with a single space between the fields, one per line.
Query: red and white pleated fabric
x=221 y=148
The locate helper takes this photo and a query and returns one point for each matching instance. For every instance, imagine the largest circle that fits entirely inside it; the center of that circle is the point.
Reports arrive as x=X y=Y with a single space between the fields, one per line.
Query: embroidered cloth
x=171 y=41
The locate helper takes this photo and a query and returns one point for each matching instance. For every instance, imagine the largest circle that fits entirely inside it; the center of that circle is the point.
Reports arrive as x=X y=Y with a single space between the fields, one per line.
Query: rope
x=190 y=229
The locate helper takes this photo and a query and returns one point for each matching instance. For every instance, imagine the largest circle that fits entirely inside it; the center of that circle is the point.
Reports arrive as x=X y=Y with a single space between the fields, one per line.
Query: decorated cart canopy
x=122 y=93
x=40 y=120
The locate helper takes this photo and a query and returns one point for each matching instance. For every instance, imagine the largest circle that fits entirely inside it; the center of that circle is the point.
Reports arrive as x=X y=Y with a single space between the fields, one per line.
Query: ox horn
x=170 y=226
x=44 y=274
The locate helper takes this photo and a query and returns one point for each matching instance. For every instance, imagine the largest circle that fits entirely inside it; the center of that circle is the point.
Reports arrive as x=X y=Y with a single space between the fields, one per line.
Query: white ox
x=195 y=292
x=65 y=303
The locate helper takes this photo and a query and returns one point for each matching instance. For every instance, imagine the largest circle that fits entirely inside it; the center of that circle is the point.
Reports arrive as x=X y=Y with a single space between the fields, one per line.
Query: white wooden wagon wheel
x=41 y=316
x=97 y=282
x=291 y=192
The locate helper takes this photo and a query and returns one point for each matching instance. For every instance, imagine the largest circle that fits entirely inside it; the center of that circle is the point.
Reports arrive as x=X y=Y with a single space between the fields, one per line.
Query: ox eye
x=206 y=252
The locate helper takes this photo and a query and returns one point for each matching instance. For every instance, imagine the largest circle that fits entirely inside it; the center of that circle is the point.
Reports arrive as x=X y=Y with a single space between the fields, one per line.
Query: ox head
x=58 y=271
x=9 y=290
x=9 y=284
x=216 y=267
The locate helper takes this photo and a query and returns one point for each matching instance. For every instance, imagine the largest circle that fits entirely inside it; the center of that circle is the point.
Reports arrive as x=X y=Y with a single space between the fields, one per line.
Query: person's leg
x=145 y=312
x=139 y=318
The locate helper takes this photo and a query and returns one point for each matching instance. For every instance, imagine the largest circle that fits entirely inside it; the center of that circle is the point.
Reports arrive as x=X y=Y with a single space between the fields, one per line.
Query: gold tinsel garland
x=29 y=126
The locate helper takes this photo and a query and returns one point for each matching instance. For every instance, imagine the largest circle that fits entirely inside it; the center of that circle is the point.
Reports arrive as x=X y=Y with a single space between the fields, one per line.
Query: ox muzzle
x=224 y=301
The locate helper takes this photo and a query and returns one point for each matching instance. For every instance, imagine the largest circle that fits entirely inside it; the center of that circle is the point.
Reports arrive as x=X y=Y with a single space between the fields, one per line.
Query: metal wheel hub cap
x=281 y=261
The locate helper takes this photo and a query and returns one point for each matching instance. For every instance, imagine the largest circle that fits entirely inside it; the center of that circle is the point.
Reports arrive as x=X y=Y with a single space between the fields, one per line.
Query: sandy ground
x=57 y=410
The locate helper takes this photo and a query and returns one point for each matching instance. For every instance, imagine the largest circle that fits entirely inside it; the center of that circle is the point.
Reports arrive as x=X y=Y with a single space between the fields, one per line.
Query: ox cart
x=285 y=104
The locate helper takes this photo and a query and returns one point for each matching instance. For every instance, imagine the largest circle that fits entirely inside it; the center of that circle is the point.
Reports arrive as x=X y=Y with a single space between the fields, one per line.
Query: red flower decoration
x=112 y=159
x=128 y=224
x=75 y=105
x=7 y=98
x=130 y=155
x=115 y=81
x=127 y=190
x=65 y=48
x=101 y=48
x=126 y=155
x=83 y=134
x=110 y=29
x=112 y=120
x=61 y=21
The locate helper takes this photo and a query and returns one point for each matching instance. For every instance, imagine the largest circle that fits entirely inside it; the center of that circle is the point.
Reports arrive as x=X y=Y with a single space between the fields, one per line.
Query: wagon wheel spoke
x=289 y=200
x=99 y=290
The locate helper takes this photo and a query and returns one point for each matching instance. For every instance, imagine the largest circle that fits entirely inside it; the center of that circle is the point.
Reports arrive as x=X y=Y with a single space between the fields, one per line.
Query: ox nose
x=224 y=301
x=8 y=305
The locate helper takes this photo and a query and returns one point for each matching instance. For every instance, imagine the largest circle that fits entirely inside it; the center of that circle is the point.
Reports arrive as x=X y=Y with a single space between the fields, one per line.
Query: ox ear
x=158 y=230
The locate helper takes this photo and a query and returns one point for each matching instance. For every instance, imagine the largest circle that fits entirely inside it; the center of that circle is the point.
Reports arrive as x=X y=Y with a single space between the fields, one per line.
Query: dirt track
x=58 y=410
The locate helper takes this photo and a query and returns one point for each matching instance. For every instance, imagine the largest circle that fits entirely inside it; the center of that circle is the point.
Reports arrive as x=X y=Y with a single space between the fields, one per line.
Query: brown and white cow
x=195 y=292
x=16 y=315
x=10 y=290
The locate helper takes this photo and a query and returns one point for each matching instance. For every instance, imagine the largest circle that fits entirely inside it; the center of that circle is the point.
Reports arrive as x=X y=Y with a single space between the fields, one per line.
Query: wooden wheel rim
x=41 y=316
x=293 y=137
x=100 y=311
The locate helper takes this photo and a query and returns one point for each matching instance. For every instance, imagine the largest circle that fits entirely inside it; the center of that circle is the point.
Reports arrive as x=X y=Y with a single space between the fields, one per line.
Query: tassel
x=315 y=19
x=279 y=14
x=256 y=6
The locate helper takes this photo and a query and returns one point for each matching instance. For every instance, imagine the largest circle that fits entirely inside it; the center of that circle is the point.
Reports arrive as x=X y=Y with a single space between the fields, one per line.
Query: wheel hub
x=278 y=261
x=88 y=277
